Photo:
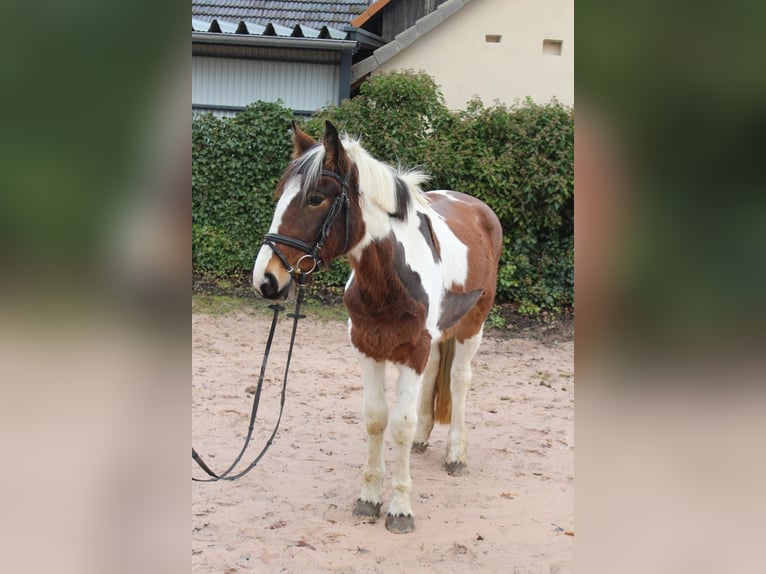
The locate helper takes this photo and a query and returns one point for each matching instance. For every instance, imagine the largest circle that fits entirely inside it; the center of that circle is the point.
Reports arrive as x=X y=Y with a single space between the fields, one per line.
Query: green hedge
x=236 y=164
x=518 y=159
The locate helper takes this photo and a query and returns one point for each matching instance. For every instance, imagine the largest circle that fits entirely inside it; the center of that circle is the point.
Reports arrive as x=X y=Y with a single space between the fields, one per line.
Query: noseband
x=312 y=251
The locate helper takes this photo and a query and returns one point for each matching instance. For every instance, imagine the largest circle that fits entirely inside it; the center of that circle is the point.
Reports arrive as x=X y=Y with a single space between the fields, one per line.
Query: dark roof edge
x=365 y=38
x=274 y=41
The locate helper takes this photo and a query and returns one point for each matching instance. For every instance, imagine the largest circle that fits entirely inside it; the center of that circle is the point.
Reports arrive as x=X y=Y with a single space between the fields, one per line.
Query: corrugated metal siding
x=233 y=82
x=196 y=110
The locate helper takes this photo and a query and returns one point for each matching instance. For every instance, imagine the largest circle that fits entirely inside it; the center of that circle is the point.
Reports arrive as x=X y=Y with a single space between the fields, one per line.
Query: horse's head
x=314 y=220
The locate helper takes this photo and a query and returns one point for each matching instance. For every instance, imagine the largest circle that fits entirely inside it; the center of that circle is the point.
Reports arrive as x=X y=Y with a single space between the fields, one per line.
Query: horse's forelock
x=307 y=167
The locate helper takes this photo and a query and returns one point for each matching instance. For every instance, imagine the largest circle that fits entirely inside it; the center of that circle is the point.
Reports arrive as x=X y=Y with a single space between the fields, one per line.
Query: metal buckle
x=297 y=267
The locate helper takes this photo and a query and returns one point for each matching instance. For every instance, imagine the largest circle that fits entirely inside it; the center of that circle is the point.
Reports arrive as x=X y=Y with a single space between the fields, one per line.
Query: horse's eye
x=315 y=199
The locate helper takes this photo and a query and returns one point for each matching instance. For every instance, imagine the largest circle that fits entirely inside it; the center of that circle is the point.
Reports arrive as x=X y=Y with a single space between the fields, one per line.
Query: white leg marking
x=459 y=385
x=375 y=419
x=426 y=399
x=403 y=422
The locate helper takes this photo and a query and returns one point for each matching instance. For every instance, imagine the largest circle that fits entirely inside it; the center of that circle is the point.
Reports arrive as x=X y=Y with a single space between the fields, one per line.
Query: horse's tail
x=442 y=395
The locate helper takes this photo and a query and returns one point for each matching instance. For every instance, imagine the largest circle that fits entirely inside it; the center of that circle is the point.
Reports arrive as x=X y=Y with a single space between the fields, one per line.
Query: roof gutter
x=365 y=38
x=275 y=41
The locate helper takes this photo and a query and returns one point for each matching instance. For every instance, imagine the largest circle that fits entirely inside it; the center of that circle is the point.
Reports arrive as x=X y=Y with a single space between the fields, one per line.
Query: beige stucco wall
x=456 y=54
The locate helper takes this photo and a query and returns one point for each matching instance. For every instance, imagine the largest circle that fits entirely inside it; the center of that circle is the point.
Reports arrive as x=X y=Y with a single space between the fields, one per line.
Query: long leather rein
x=227 y=474
x=300 y=275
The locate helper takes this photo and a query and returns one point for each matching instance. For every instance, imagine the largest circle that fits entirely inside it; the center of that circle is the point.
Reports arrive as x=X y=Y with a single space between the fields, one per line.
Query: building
x=311 y=54
x=503 y=50
x=297 y=52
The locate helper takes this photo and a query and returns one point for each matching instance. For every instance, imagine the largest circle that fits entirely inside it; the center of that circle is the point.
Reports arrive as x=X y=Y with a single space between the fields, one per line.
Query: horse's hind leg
x=426 y=402
x=461 y=374
x=375 y=419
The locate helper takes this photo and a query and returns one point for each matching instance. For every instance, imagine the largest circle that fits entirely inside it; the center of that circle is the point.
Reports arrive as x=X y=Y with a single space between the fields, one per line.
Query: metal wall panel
x=234 y=82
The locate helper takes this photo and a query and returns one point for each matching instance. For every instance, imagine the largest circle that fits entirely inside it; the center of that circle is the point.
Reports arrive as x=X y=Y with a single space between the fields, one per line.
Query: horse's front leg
x=403 y=423
x=375 y=419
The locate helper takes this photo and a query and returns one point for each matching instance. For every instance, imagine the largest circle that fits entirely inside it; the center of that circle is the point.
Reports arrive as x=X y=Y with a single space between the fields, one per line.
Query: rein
x=296 y=316
x=312 y=251
x=300 y=275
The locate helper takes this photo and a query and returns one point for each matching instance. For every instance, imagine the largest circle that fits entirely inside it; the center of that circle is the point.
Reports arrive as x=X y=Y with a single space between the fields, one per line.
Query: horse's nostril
x=269 y=288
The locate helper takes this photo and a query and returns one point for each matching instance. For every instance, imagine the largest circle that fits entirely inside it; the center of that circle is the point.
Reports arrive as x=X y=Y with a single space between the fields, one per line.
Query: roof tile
x=313 y=14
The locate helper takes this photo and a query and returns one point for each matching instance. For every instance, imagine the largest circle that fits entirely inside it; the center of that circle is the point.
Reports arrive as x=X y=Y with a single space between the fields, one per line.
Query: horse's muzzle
x=269 y=289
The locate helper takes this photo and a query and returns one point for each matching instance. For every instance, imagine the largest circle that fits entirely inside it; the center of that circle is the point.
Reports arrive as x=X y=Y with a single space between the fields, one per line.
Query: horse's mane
x=377 y=179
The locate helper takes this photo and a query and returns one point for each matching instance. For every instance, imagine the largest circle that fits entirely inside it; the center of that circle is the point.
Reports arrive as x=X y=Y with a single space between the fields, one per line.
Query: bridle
x=312 y=251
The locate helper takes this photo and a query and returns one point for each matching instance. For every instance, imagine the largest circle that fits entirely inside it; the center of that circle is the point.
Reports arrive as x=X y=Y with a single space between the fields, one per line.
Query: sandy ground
x=513 y=512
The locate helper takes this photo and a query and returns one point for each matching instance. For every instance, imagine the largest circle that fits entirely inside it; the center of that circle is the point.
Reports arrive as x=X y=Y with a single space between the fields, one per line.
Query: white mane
x=377 y=179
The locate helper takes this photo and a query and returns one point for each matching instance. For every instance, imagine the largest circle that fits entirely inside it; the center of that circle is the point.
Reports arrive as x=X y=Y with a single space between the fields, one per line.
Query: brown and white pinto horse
x=423 y=281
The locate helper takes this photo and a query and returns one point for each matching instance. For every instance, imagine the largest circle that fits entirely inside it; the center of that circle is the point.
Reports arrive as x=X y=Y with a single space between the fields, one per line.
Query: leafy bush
x=394 y=115
x=519 y=159
x=237 y=163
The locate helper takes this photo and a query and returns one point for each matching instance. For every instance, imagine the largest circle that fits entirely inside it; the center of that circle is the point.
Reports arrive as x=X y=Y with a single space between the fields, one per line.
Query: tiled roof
x=242 y=27
x=313 y=14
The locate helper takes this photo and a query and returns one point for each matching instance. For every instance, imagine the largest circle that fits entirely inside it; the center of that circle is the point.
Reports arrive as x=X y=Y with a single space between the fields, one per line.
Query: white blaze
x=291 y=189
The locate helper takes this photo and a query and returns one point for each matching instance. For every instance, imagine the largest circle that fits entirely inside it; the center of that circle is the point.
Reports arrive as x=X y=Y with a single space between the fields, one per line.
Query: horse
x=423 y=280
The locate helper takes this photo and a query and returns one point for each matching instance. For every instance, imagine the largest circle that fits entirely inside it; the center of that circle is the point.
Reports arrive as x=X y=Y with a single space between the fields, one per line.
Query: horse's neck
x=376 y=278
x=374 y=264
x=381 y=275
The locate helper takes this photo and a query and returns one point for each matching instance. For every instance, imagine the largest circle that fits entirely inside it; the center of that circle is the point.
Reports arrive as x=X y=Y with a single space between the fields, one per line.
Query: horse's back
x=472 y=221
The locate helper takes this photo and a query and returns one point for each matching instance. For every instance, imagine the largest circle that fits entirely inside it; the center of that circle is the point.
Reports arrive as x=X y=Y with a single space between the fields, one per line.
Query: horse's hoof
x=419 y=447
x=457 y=468
x=367 y=509
x=400 y=524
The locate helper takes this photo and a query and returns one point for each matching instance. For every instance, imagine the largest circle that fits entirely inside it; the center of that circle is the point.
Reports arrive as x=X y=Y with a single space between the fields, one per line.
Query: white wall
x=456 y=55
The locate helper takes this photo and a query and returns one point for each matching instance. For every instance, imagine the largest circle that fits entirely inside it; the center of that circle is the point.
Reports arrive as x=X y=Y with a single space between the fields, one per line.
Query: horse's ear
x=333 y=149
x=301 y=141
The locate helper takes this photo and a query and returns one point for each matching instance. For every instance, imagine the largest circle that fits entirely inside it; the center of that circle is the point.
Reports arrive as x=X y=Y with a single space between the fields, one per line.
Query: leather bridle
x=312 y=251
